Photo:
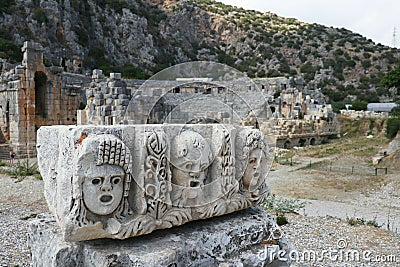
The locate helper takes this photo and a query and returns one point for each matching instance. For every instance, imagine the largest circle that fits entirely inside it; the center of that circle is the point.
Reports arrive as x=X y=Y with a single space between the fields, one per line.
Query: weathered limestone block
x=246 y=238
x=128 y=180
x=97 y=74
x=99 y=96
x=115 y=76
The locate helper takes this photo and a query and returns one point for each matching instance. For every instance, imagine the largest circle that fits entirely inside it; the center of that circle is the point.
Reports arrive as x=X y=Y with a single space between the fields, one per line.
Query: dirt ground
x=340 y=183
x=338 y=179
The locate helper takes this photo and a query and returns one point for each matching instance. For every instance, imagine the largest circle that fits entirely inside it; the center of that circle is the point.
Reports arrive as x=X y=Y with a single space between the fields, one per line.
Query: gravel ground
x=19 y=201
x=332 y=198
x=22 y=200
x=335 y=243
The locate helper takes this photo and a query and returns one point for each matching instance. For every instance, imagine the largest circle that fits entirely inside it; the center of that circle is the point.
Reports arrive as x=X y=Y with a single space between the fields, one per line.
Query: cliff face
x=101 y=33
x=142 y=36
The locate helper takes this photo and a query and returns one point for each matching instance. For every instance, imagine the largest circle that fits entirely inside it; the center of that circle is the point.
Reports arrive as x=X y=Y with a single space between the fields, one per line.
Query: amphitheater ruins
x=33 y=95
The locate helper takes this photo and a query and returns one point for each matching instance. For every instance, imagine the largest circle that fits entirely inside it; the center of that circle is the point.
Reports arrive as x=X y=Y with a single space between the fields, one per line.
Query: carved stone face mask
x=191 y=160
x=191 y=173
x=103 y=188
x=256 y=168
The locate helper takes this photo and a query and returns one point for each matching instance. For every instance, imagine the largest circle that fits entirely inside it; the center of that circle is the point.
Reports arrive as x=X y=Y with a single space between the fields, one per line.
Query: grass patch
x=362 y=221
x=354 y=146
x=38 y=176
x=22 y=169
x=332 y=150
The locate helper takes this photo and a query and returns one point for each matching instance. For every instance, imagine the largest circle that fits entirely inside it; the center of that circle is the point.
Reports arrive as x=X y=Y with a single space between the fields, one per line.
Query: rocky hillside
x=140 y=37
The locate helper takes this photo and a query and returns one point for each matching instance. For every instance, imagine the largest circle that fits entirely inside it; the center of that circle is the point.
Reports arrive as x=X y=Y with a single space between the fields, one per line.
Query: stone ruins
x=32 y=95
x=123 y=181
x=129 y=180
x=50 y=96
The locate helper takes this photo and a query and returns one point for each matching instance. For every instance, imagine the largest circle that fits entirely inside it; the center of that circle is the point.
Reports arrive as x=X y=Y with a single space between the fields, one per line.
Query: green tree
x=396 y=111
x=337 y=106
x=392 y=78
x=6 y=6
x=131 y=72
x=359 y=105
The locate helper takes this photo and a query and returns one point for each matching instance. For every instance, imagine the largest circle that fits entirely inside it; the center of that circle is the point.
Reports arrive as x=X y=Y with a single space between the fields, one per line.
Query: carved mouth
x=194 y=184
x=106 y=199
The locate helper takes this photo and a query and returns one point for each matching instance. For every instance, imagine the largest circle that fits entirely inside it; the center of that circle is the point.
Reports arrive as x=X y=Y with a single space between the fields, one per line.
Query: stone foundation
x=245 y=238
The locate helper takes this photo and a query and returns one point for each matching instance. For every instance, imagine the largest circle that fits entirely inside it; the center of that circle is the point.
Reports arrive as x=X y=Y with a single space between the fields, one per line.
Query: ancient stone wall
x=353 y=114
x=292 y=133
x=106 y=100
x=35 y=96
x=177 y=102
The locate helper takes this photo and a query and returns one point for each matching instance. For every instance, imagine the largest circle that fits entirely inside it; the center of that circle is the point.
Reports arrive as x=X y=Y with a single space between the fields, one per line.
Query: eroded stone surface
x=238 y=239
x=128 y=180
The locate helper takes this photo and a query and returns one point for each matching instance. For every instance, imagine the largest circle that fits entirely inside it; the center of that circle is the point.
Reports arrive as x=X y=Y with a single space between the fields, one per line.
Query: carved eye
x=252 y=160
x=116 y=180
x=96 y=181
x=188 y=166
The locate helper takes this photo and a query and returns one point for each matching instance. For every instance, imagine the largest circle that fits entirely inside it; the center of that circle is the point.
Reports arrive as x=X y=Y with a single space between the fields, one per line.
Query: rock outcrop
x=139 y=38
x=390 y=157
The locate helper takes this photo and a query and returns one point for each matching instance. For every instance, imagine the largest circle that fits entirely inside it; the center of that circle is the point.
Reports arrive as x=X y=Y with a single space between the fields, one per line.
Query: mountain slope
x=141 y=37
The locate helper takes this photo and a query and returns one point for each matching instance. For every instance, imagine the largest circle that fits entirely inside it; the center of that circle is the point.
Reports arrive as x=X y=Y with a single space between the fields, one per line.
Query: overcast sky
x=374 y=19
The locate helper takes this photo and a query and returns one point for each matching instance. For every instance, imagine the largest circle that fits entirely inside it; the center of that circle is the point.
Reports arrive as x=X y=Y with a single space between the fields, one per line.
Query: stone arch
x=287 y=144
x=302 y=142
x=40 y=93
x=312 y=141
x=204 y=120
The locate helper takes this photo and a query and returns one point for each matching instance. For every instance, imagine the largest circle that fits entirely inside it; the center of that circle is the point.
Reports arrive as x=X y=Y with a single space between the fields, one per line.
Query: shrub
x=39 y=14
x=359 y=105
x=373 y=223
x=355 y=221
x=337 y=106
x=23 y=169
x=281 y=205
x=132 y=72
x=281 y=220
x=392 y=127
x=10 y=50
x=6 y=5
x=362 y=221
x=38 y=176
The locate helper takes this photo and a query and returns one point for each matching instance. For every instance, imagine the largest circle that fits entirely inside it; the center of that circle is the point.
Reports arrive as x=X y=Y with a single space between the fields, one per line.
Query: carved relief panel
x=123 y=181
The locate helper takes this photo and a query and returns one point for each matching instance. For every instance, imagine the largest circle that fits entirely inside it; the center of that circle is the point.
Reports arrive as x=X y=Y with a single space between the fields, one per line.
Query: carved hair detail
x=249 y=140
x=109 y=150
x=113 y=152
x=254 y=139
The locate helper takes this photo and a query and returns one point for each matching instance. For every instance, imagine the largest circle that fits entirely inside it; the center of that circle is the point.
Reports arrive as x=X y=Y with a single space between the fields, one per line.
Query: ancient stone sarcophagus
x=129 y=180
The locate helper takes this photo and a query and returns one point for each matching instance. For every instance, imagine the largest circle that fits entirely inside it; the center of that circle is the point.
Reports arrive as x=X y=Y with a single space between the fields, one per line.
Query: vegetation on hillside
x=392 y=78
x=393 y=127
x=345 y=65
x=9 y=49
